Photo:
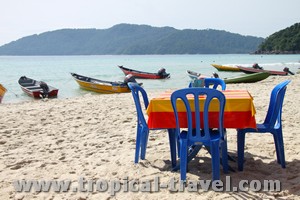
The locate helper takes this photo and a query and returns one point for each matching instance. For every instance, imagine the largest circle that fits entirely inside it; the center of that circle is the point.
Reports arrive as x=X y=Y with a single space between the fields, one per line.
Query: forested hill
x=286 y=41
x=132 y=39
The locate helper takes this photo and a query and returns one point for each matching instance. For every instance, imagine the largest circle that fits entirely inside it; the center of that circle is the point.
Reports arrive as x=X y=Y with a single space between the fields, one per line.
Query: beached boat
x=2 y=92
x=161 y=74
x=247 y=78
x=225 y=68
x=192 y=74
x=100 y=86
x=37 y=89
x=251 y=70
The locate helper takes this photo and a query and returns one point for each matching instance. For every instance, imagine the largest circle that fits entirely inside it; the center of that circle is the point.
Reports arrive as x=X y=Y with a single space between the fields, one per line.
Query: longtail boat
x=2 y=92
x=247 y=78
x=251 y=70
x=225 y=68
x=161 y=74
x=100 y=86
x=37 y=89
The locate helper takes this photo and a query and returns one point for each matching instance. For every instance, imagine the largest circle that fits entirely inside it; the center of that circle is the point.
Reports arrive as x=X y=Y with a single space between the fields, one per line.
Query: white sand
x=94 y=137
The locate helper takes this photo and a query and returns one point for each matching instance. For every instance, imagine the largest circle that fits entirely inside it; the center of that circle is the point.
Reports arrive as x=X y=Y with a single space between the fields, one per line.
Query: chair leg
x=137 y=145
x=225 y=157
x=144 y=142
x=215 y=157
x=178 y=147
x=241 y=148
x=276 y=142
x=281 y=147
x=183 y=159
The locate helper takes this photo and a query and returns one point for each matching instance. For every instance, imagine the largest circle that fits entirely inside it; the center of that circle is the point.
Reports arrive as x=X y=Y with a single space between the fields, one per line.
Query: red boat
x=37 y=89
x=250 y=70
x=161 y=74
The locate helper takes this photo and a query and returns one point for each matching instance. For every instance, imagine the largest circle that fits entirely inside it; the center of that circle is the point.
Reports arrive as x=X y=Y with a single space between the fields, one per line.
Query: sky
x=261 y=18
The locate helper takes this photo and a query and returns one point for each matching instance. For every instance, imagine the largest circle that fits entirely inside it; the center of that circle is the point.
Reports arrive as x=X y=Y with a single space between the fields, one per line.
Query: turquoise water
x=55 y=70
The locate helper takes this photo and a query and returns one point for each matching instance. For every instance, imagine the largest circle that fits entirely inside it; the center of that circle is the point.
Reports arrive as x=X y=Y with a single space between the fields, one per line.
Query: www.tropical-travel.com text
x=135 y=185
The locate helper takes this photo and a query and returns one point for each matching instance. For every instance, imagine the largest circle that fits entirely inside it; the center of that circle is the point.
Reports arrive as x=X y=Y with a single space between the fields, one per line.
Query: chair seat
x=260 y=128
x=214 y=136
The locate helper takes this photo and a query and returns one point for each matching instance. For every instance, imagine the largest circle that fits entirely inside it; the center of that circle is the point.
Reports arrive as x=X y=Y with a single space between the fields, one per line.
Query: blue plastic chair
x=212 y=138
x=214 y=82
x=142 y=126
x=272 y=124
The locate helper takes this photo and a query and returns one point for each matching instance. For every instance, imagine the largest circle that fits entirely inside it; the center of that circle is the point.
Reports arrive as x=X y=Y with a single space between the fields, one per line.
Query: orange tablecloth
x=239 y=111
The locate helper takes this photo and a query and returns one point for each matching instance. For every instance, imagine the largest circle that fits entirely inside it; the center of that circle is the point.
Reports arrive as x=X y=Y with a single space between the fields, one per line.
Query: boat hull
x=143 y=75
x=225 y=68
x=99 y=86
x=105 y=89
x=2 y=92
x=38 y=94
x=247 y=78
x=193 y=75
x=250 y=70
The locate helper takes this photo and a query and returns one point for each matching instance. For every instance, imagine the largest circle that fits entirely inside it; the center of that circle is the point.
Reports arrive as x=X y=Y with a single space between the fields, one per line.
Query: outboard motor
x=45 y=88
x=256 y=66
x=129 y=78
x=162 y=72
x=215 y=75
x=286 y=69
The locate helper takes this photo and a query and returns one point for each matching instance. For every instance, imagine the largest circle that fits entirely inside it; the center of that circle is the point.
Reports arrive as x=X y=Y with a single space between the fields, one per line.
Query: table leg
x=172 y=142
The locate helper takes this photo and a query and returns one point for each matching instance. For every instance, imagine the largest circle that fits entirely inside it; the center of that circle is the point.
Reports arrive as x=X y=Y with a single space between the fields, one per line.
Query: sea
x=55 y=70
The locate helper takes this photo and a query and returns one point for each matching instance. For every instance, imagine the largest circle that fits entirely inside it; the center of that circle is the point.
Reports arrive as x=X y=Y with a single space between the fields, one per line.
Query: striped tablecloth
x=239 y=111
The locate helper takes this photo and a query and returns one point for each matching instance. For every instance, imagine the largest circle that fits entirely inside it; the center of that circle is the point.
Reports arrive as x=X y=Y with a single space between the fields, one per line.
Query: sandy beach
x=93 y=137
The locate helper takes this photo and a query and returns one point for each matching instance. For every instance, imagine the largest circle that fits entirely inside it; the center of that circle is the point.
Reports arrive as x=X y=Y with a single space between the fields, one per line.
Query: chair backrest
x=202 y=130
x=136 y=90
x=207 y=82
x=273 y=117
x=215 y=82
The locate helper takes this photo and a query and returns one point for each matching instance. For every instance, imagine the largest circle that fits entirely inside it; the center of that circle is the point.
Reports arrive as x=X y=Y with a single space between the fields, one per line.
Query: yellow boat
x=100 y=86
x=2 y=92
x=225 y=68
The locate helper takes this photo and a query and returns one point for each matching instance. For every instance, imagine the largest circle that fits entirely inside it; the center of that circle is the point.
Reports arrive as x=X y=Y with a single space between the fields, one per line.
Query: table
x=239 y=113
